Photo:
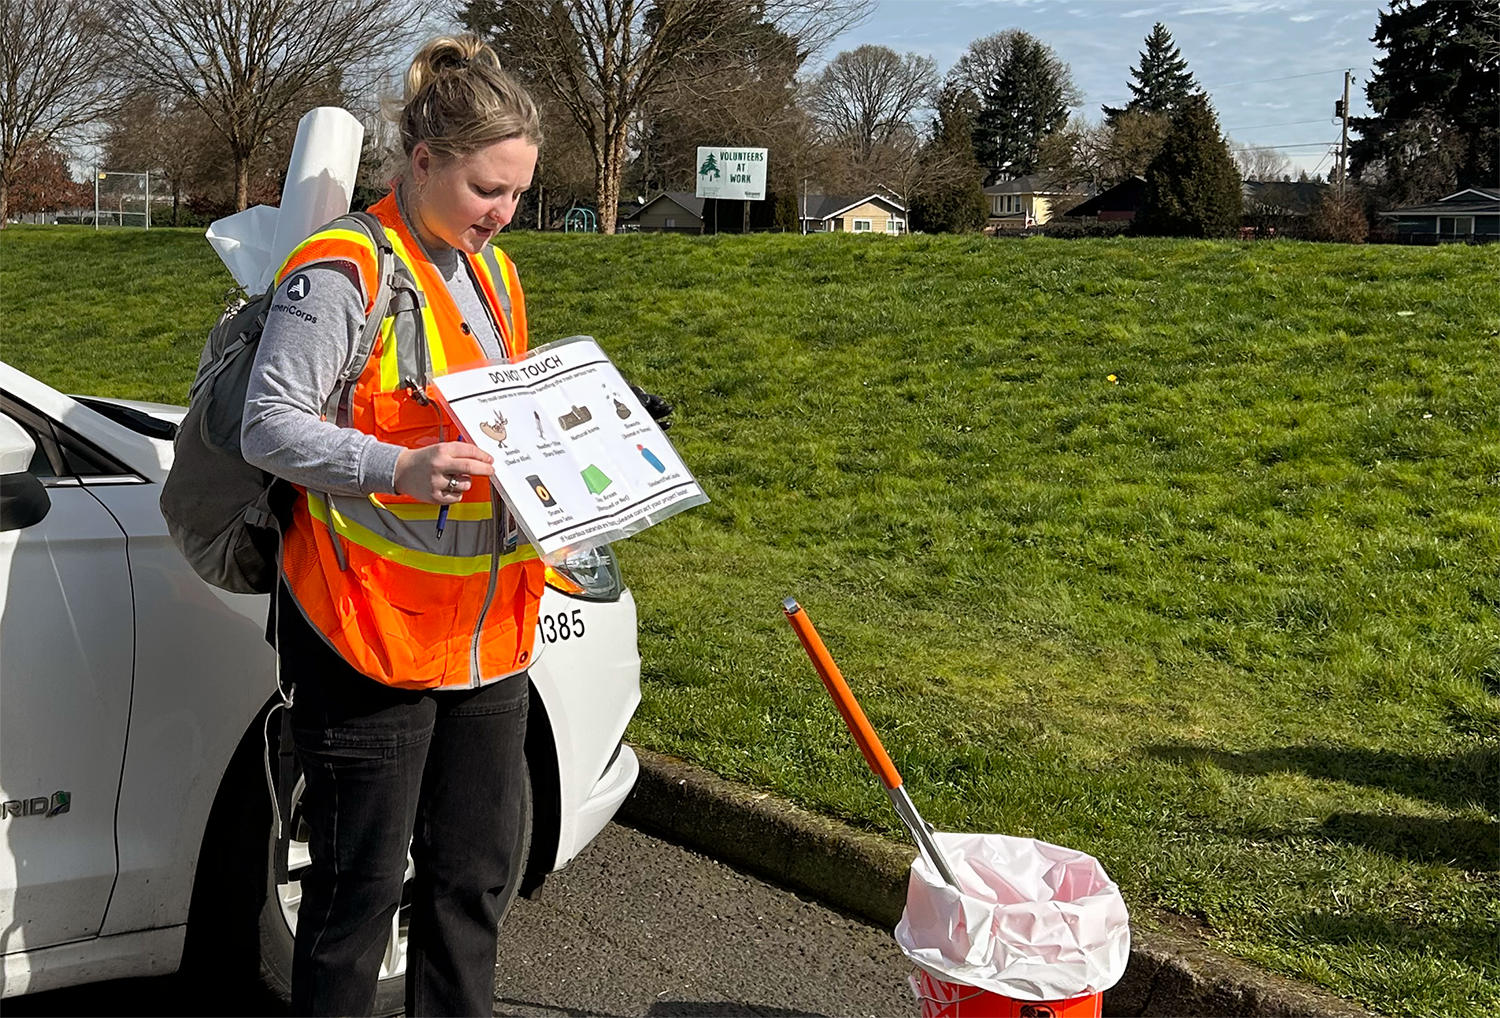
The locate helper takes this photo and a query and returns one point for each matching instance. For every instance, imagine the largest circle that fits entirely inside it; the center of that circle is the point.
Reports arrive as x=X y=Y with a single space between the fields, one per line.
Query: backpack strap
x=364 y=345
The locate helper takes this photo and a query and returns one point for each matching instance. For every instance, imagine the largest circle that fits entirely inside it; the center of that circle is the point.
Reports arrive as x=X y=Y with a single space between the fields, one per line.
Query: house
x=685 y=212
x=1278 y=208
x=1118 y=203
x=1025 y=202
x=668 y=212
x=1471 y=215
x=1283 y=197
x=871 y=213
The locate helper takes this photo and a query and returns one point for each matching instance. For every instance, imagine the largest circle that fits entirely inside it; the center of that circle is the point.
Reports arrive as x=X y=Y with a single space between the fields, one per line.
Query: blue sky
x=1231 y=46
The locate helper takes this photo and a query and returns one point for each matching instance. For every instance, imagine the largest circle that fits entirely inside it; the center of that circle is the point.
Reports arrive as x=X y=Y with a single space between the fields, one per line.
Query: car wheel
x=243 y=920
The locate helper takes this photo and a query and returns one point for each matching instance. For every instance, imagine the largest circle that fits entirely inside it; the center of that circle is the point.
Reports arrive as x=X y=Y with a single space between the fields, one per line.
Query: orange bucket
x=942 y=999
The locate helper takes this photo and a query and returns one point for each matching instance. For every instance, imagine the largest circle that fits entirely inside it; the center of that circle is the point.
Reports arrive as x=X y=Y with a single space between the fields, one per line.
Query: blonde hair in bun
x=459 y=99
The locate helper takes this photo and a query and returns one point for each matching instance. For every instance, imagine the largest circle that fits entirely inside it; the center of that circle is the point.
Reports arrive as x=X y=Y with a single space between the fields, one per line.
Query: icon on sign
x=578 y=415
x=541 y=490
x=652 y=459
x=596 y=479
x=495 y=429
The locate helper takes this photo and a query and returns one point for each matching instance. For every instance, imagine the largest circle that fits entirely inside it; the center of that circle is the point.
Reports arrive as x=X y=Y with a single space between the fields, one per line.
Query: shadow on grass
x=1425 y=936
x=1456 y=780
x=1466 y=844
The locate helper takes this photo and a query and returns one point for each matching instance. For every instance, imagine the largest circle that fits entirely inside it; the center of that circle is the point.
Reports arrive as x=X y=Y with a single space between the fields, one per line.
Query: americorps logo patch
x=298 y=286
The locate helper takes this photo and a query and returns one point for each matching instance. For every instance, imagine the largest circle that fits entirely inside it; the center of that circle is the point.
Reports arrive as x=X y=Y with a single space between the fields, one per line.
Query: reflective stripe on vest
x=399 y=603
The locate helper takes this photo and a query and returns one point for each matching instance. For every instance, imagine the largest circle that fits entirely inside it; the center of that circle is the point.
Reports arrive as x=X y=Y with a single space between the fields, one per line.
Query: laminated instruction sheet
x=577 y=458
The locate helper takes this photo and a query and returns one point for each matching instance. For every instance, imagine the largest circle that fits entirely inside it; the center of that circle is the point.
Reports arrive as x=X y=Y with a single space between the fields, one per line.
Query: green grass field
x=1185 y=554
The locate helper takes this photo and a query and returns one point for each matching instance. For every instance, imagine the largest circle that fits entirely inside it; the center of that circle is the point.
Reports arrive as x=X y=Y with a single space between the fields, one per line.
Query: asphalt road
x=635 y=927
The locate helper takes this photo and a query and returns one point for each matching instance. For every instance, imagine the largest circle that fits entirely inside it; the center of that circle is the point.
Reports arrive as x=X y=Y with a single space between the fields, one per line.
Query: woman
x=405 y=639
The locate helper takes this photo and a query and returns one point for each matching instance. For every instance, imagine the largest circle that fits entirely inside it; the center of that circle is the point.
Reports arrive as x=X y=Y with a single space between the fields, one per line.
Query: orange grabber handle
x=859 y=726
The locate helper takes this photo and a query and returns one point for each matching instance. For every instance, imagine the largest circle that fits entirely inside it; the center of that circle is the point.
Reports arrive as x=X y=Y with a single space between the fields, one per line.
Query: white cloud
x=1235 y=7
x=1299 y=18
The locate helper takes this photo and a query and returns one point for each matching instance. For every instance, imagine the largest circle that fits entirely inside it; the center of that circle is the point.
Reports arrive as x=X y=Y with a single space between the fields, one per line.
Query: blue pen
x=442 y=520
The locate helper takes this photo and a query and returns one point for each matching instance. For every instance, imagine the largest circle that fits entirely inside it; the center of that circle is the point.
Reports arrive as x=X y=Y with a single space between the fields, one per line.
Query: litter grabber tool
x=864 y=735
x=996 y=926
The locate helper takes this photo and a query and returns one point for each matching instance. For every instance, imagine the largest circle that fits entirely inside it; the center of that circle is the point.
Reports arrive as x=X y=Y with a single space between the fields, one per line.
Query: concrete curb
x=866 y=875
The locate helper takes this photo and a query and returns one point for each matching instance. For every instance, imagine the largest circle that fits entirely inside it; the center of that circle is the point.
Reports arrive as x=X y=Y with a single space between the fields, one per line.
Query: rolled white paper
x=319 y=180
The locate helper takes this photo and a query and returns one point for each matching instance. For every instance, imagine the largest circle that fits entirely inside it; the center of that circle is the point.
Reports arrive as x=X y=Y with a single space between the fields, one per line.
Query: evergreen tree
x=1436 y=97
x=1193 y=185
x=947 y=197
x=1162 y=81
x=1024 y=103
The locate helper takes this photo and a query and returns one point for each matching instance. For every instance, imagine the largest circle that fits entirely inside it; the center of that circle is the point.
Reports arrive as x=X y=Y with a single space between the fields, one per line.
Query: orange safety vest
x=398 y=603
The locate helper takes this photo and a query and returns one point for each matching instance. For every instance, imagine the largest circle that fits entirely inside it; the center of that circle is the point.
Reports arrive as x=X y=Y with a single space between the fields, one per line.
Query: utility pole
x=1343 y=112
x=97 y=175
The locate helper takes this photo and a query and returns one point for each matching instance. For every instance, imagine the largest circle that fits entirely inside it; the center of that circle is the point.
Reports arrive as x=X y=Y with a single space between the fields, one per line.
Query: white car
x=137 y=814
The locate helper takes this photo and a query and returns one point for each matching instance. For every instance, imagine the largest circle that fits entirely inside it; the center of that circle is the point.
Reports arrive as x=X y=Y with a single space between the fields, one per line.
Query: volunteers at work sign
x=735 y=173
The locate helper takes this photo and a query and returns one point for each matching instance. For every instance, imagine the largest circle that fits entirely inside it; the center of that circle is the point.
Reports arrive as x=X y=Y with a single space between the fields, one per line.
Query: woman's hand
x=441 y=473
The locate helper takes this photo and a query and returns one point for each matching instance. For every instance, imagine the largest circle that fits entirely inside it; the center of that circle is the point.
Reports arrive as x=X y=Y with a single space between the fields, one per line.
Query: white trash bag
x=1034 y=921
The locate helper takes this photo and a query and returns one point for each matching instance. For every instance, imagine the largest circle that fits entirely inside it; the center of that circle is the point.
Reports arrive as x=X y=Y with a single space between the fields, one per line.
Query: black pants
x=385 y=767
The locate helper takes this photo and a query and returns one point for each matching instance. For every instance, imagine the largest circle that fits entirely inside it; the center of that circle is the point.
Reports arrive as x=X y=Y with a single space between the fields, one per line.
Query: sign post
x=738 y=174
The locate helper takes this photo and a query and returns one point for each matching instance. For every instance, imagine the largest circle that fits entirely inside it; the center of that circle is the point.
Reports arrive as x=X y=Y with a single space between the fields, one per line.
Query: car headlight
x=591 y=574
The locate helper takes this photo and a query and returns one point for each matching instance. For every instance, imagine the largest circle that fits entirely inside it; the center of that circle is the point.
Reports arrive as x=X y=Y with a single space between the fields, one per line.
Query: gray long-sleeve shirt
x=311 y=329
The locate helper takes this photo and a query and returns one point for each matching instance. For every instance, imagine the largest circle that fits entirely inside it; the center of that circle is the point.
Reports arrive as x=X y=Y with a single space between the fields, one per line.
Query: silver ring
x=452 y=485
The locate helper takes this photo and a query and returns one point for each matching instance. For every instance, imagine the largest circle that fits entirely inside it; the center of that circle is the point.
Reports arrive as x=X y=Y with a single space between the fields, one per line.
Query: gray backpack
x=225 y=515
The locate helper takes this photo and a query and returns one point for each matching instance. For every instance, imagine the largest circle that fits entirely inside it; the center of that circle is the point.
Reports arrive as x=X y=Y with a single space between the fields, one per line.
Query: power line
x=1303 y=144
x=1256 y=81
x=1289 y=123
x=1285 y=77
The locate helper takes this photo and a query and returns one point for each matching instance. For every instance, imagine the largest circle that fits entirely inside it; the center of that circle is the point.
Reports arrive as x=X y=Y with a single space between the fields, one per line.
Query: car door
x=66 y=668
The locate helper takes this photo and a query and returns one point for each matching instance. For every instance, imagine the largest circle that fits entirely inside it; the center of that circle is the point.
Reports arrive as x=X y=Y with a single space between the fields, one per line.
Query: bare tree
x=765 y=113
x=604 y=60
x=253 y=66
x=174 y=141
x=1075 y=155
x=866 y=102
x=1132 y=141
x=54 y=73
x=1258 y=162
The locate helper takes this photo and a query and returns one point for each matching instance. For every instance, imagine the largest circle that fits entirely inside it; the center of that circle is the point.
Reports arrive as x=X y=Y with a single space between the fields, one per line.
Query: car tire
x=240 y=925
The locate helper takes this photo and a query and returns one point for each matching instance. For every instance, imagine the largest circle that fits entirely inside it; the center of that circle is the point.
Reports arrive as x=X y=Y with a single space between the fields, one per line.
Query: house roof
x=826 y=206
x=1033 y=183
x=1471 y=201
x=1123 y=197
x=1479 y=192
x=687 y=199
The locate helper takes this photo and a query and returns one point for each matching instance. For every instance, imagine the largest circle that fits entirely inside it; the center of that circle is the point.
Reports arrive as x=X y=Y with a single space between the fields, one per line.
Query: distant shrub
x=1078 y=229
x=1339 y=219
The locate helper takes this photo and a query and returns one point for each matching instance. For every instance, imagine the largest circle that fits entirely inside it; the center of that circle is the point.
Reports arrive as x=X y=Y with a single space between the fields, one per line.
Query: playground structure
x=580 y=220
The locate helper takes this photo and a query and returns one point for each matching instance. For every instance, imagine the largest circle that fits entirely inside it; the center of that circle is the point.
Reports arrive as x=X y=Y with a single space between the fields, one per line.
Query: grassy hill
x=1183 y=554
